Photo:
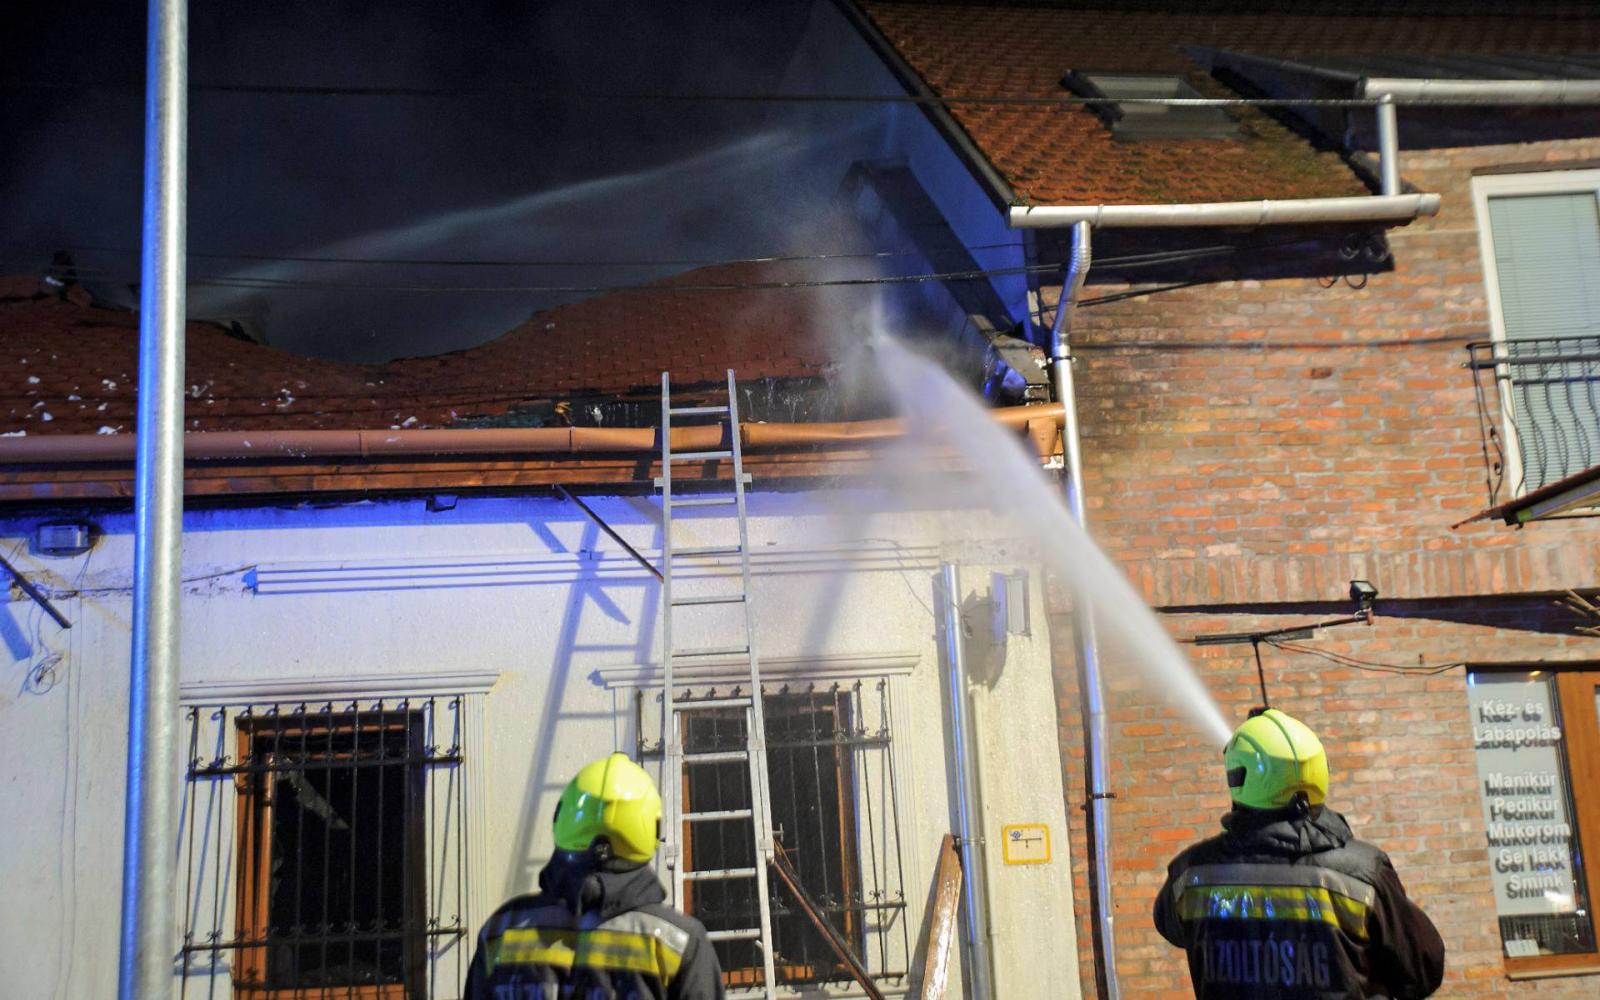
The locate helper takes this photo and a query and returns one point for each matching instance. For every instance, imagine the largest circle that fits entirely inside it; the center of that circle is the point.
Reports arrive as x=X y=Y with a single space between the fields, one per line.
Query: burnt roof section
x=1067 y=156
x=69 y=367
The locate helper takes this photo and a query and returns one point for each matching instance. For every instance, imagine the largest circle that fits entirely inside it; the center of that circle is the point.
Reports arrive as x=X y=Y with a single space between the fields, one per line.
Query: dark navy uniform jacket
x=1288 y=904
x=593 y=935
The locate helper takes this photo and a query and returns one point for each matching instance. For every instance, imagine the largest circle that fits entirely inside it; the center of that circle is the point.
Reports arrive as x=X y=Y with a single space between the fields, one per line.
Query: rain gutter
x=1391 y=208
x=1095 y=730
x=64 y=449
x=1433 y=91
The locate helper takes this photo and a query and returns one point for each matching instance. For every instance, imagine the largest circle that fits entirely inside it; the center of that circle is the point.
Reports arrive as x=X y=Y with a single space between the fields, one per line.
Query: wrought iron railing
x=324 y=848
x=1538 y=410
x=835 y=806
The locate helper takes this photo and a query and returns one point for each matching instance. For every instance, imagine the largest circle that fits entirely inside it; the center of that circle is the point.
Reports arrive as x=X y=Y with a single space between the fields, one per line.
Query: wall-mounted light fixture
x=61 y=539
x=1363 y=593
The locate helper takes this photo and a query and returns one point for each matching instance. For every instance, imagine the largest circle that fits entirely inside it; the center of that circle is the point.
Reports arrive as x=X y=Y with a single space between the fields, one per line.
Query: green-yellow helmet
x=1272 y=758
x=614 y=800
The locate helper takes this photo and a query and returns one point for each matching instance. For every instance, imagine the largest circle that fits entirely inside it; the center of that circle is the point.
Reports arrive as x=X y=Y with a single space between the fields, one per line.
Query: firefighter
x=1286 y=903
x=598 y=927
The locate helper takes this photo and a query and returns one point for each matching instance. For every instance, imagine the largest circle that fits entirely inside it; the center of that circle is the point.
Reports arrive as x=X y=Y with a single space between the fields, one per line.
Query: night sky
x=522 y=158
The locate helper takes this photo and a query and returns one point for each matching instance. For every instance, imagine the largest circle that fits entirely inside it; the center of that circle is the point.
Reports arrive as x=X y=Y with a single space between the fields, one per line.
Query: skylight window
x=1150 y=121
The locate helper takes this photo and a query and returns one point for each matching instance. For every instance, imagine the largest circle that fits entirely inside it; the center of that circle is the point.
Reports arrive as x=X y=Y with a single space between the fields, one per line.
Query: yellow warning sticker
x=1026 y=843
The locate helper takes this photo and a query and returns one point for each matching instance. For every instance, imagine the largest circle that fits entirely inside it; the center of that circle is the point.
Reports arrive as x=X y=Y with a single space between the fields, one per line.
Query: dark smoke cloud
x=475 y=176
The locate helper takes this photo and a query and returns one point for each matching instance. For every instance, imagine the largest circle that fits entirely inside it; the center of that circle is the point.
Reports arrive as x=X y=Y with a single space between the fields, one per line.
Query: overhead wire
x=92 y=272
x=1045 y=101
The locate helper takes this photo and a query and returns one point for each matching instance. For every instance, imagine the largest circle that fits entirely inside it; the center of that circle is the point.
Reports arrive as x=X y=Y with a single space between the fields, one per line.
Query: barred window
x=331 y=838
x=835 y=817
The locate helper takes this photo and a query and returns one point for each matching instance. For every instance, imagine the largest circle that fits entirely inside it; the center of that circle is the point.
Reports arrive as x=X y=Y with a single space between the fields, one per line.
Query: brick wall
x=1253 y=444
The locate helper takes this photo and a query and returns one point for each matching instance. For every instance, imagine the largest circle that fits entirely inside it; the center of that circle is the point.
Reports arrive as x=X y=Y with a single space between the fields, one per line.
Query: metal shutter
x=1547 y=258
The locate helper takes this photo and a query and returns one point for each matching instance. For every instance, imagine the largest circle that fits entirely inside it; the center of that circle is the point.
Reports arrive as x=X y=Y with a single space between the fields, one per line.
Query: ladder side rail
x=671 y=746
x=756 y=730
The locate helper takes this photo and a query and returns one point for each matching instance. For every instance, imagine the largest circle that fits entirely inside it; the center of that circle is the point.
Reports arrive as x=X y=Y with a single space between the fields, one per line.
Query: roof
x=68 y=366
x=1052 y=156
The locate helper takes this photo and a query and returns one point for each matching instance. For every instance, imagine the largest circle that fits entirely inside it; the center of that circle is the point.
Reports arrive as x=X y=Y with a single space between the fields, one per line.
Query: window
x=1537 y=743
x=343 y=825
x=1540 y=239
x=835 y=817
x=1150 y=121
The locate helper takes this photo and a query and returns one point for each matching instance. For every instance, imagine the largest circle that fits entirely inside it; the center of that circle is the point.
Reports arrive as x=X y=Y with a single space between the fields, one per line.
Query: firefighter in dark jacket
x=598 y=929
x=1286 y=903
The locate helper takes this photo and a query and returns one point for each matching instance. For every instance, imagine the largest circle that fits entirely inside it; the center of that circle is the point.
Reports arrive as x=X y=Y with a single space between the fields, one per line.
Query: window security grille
x=324 y=845
x=835 y=815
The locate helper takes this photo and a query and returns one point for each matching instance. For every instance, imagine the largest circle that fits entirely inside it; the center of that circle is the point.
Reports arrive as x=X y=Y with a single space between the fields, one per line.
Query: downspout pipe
x=150 y=822
x=969 y=816
x=1388 y=148
x=1083 y=631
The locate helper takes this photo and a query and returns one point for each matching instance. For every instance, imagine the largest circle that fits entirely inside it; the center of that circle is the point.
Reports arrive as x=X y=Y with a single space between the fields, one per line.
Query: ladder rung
x=717 y=816
x=679 y=602
x=696 y=411
x=700 y=456
x=711 y=651
x=706 y=550
x=743 y=934
x=716 y=757
x=705 y=502
x=719 y=874
x=660 y=481
x=693 y=704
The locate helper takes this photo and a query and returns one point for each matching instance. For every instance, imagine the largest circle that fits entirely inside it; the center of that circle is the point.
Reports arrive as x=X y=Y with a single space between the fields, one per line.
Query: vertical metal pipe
x=1388 y=146
x=1094 y=707
x=145 y=969
x=969 y=822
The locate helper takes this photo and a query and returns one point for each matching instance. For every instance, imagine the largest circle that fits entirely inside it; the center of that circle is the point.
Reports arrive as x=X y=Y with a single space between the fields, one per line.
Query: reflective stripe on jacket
x=595 y=936
x=1291 y=905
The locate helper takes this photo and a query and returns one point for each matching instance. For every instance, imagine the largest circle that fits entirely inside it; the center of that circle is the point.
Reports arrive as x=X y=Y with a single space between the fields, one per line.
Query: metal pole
x=1094 y=713
x=1388 y=147
x=969 y=823
x=145 y=968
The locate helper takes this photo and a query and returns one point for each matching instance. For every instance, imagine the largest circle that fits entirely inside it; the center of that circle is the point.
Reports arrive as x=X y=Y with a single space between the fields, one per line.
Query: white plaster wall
x=526 y=589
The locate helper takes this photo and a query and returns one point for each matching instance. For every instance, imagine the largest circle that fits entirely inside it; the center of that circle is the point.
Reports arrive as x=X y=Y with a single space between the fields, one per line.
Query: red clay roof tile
x=1055 y=156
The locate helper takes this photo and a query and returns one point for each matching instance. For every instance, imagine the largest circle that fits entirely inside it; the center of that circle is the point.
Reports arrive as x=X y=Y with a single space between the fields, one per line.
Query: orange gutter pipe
x=1039 y=421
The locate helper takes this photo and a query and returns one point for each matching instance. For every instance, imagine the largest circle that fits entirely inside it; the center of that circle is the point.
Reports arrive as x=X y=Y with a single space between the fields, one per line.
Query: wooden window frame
x=253 y=843
x=1575 y=692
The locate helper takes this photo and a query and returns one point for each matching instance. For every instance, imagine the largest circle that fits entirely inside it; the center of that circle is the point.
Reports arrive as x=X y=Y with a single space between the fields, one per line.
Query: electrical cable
x=1133 y=261
x=457 y=262
x=1043 y=101
x=1356 y=663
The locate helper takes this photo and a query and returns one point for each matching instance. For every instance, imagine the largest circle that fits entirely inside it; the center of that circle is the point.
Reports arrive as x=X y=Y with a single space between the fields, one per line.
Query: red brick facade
x=1254 y=444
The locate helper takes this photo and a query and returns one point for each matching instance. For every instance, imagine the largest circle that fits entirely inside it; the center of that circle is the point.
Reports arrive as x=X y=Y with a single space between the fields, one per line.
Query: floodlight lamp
x=1363 y=593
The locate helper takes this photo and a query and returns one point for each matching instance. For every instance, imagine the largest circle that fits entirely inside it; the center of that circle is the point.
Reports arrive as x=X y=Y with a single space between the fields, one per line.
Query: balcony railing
x=1538 y=410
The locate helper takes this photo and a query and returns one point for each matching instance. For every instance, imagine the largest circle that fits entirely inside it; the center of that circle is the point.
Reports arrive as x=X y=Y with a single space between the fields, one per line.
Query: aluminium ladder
x=677 y=714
